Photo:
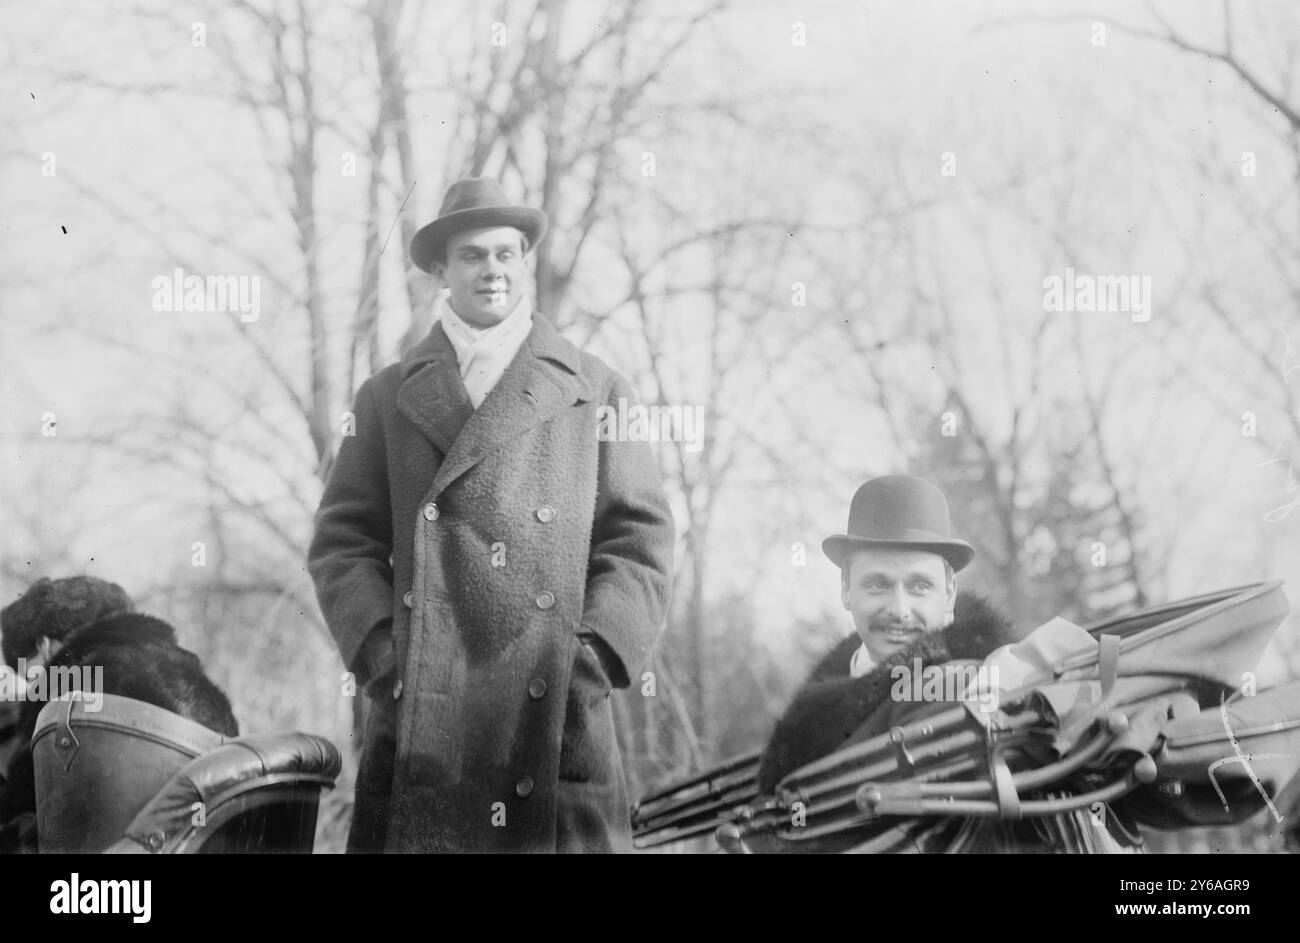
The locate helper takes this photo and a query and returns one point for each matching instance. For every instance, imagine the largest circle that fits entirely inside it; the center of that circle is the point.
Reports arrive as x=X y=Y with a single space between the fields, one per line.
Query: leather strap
x=1107 y=663
x=65 y=740
x=903 y=756
x=1008 y=798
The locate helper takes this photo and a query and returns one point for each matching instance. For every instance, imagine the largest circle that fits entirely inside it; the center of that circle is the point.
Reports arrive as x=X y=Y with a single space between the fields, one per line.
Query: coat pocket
x=588 y=749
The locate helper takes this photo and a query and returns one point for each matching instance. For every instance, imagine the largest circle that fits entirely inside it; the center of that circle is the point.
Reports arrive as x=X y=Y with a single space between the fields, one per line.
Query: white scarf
x=484 y=353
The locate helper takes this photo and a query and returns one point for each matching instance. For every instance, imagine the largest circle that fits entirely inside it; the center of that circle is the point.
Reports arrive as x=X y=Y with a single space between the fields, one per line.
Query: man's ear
x=951 y=613
x=844 y=593
x=438 y=270
x=42 y=652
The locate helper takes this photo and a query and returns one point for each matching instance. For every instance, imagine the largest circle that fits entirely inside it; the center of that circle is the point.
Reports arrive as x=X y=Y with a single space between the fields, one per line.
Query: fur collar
x=830 y=706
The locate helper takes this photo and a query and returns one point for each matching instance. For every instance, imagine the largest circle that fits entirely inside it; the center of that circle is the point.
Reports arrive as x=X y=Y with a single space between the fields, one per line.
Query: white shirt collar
x=861 y=663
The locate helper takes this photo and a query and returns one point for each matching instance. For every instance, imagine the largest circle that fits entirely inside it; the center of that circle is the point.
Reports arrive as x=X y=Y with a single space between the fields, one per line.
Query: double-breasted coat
x=493 y=539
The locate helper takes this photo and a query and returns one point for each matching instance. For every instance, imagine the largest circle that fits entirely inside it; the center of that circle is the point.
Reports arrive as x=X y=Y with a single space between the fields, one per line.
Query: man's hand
x=609 y=662
x=379 y=658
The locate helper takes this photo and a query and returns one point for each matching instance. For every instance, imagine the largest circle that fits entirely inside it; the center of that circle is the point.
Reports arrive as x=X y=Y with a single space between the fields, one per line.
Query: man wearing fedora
x=488 y=567
x=898 y=580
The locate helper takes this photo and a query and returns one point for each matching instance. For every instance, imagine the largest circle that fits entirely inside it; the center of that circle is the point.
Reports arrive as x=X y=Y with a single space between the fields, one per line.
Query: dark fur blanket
x=830 y=706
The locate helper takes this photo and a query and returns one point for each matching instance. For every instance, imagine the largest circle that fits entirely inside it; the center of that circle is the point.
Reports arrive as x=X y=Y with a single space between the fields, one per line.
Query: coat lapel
x=544 y=378
x=433 y=395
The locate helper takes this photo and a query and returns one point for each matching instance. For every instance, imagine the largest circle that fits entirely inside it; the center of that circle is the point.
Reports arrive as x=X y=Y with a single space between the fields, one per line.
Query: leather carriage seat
x=98 y=761
x=258 y=794
x=133 y=777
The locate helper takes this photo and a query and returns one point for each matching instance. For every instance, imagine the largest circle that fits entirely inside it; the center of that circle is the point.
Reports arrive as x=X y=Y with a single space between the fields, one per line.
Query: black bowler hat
x=899 y=511
x=474 y=203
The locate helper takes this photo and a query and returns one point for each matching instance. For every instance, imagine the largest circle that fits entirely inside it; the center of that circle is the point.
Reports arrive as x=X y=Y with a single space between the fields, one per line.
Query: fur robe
x=831 y=706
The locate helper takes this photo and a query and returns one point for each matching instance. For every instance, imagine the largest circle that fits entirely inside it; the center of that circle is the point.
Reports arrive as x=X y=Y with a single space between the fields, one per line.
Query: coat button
x=397 y=690
x=545 y=600
x=409 y=599
x=524 y=788
x=546 y=514
x=537 y=689
x=431 y=511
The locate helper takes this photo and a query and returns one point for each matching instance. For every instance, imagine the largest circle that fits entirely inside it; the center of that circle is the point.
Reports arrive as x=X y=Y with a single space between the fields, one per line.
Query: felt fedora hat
x=474 y=203
x=899 y=511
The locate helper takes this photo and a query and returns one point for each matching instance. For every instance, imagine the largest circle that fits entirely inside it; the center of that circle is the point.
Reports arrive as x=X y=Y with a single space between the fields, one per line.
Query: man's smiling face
x=895 y=595
x=484 y=273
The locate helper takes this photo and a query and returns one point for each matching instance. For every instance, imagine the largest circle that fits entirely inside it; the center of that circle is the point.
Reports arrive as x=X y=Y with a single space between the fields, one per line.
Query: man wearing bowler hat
x=898 y=565
x=488 y=566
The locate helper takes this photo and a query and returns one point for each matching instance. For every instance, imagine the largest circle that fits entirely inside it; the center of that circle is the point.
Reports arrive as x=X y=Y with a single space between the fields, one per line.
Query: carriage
x=115 y=774
x=1147 y=720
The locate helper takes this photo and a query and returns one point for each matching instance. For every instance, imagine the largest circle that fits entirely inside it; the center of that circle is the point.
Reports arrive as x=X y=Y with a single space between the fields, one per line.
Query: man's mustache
x=897 y=625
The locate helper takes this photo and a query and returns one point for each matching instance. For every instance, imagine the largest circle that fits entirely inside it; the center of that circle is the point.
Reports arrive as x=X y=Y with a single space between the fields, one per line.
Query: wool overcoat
x=493 y=538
